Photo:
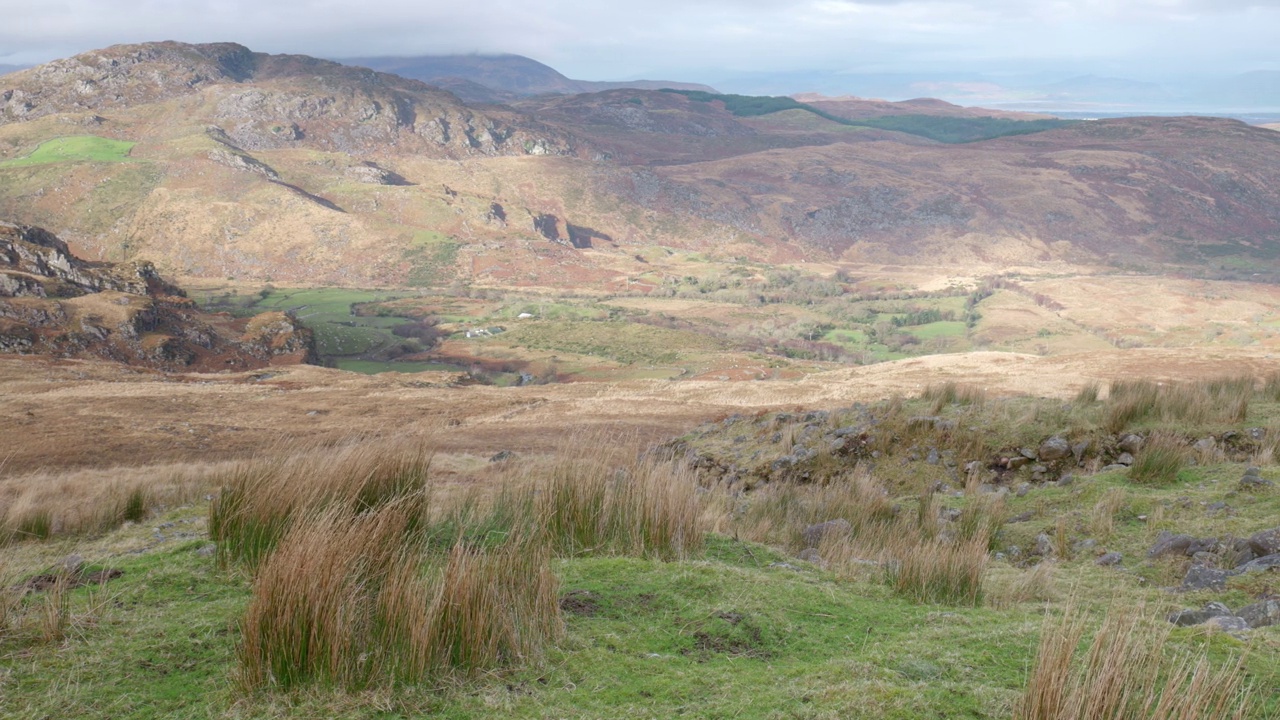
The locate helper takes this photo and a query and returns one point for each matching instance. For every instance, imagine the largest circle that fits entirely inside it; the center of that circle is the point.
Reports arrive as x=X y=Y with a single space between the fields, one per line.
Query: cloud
x=596 y=40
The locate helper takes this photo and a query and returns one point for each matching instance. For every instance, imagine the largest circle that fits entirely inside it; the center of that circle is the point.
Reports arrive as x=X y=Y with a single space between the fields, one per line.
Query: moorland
x=329 y=393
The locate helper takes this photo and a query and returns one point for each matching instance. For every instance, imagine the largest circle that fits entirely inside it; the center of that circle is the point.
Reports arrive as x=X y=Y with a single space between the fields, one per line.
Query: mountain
x=855 y=108
x=505 y=77
x=213 y=161
x=52 y=302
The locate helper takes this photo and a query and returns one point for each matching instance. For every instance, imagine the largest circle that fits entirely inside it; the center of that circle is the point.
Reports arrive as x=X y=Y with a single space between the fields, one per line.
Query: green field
x=79 y=148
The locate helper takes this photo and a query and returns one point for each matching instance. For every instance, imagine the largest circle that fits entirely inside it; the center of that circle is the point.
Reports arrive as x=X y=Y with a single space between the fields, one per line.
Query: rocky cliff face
x=56 y=304
x=266 y=101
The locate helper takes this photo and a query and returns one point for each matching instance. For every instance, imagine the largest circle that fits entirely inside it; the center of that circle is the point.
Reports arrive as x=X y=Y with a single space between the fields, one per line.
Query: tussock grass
x=778 y=514
x=1088 y=394
x=1159 y=460
x=1216 y=400
x=261 y=498
x=343 y=602
x=1038 y=584
x=45 y=505
x=1102 y=518
x=938 y=571
x=951 y=393
x=1125 y=673
x=589 y=505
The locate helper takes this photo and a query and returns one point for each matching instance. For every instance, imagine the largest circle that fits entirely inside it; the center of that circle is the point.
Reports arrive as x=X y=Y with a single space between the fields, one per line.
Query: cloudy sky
x=697 y=40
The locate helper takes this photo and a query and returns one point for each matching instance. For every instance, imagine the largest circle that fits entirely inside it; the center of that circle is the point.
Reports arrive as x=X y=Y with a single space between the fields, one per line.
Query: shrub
x=1159 y=460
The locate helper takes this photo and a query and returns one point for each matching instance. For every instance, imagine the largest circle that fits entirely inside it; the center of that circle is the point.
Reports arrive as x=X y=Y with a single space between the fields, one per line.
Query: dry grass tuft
x=261 y=498
x=951 y=393
x=1159 y=460
x=1125 y=673
x=343 y=602
x=1217 y=400
x=1035 y=584
x=938 y=571
x=1102 y=519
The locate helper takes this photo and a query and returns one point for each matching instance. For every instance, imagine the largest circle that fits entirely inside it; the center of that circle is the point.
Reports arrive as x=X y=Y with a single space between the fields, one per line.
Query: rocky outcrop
x=53 y=303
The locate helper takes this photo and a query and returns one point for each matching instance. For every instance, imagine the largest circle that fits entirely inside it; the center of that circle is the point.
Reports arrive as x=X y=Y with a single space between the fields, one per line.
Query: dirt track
x=72 y=413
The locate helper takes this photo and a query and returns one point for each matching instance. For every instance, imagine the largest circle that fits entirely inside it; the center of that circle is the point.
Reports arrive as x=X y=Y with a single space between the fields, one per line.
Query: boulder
x=814 y=534
x=1055 y=448
x=1130 y=443
x=1261 y=614
x=1267 y=562
x=1266 y=542
x=1185 y=618
x=810 y=555
x=1109 y=559
x=1227 y=623
x=1168 y=543
x=1125 y=459
x=1204 y=578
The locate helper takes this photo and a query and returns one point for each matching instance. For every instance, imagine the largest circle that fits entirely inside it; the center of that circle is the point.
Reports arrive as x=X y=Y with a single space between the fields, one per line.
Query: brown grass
x=343 y=602
x=1125 y=673
x=1223 y=399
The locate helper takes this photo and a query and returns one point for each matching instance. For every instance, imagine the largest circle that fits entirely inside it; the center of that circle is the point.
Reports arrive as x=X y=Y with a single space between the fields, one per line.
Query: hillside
x=53 y=303
x=500 y=78
x=854 y=108
x=216 y=162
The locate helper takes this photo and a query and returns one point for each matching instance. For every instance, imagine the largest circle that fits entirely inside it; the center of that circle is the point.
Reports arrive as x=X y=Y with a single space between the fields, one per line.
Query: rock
x=933 y=458
x=1109 y=559
x=1044 y=545
x=1086 y=544
x=1203 y=578
x=207 y=550
x=1266 y=562
x=1204 y=559
x=1227 y=623
x=1022 y=490
x=1130 y=443
x=1028 y=453
x=1114 y=467
x=1253 y=482
x=1205 y=445
x=1125 y=459
x=500 y=456
x=1055 y=448
x=1016 y=462
x=1266 y=542
x=72 y=564
x=814 y=534
x=1079 y=449
x=1066 y=480
x=1262 y=614
x=810 y=555
x=1186 y=618
x=1166 y=543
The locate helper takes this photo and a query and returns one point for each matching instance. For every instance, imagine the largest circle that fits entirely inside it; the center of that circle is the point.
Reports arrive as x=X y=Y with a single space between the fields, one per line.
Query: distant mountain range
x=500 y=78
x=1254 y=92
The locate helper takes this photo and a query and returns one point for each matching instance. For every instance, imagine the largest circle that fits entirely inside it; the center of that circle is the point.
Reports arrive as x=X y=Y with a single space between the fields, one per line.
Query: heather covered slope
x=216 y=162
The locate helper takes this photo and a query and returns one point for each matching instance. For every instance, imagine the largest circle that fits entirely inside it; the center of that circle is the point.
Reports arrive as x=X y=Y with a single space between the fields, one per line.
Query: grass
x=1161 y=458
x=1126 y=674
x=79 y=148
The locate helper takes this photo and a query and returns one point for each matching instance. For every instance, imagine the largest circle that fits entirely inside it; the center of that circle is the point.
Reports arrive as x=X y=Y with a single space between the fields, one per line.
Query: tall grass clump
x=940 y=571
x=1159 y=460
x=260 y=499
x=343 y=602
x=951 y=393
x=646 y=508
x=1223 y=399
x=1126 y=673
x=1088 y=394
x=778 y=514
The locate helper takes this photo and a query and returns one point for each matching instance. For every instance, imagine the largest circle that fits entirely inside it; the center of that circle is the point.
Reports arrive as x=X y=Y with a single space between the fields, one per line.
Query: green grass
x=944 y=328
x=79 y=148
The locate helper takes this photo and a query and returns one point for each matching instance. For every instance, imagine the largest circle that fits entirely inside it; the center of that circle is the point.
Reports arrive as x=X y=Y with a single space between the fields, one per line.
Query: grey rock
x=1028 y=453
x=1186 y=618
x=1079 y=449
x=1266 y=542
x=1125 y=459
x=1114 y=467
x=1167 y=543
x=1086 y=544
x=1130 y=443
x=1205 y=445
x=1250 y=482
x=1022 y=490
x=1055 y=448
x=1109 y=559
x=1262 y=614
x=1203 y=578
x=933 y=458
x=207 y=550
x=814 y=534
x=1266 y=562
x=810 y=555
x=1204 y=559
x=72 y=564
x=1227 y=623
x=1044 y=545
x=1016 y=462
x=1066 y=480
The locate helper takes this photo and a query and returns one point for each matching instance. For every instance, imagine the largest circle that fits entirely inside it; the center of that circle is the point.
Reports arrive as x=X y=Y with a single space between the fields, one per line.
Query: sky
x=695 y=40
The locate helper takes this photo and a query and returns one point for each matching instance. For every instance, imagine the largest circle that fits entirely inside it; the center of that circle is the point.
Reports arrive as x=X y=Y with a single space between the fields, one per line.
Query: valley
x=326 y=391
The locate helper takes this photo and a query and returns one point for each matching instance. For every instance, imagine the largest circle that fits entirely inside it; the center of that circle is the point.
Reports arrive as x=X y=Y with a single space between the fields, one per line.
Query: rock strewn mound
x=53 y=303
